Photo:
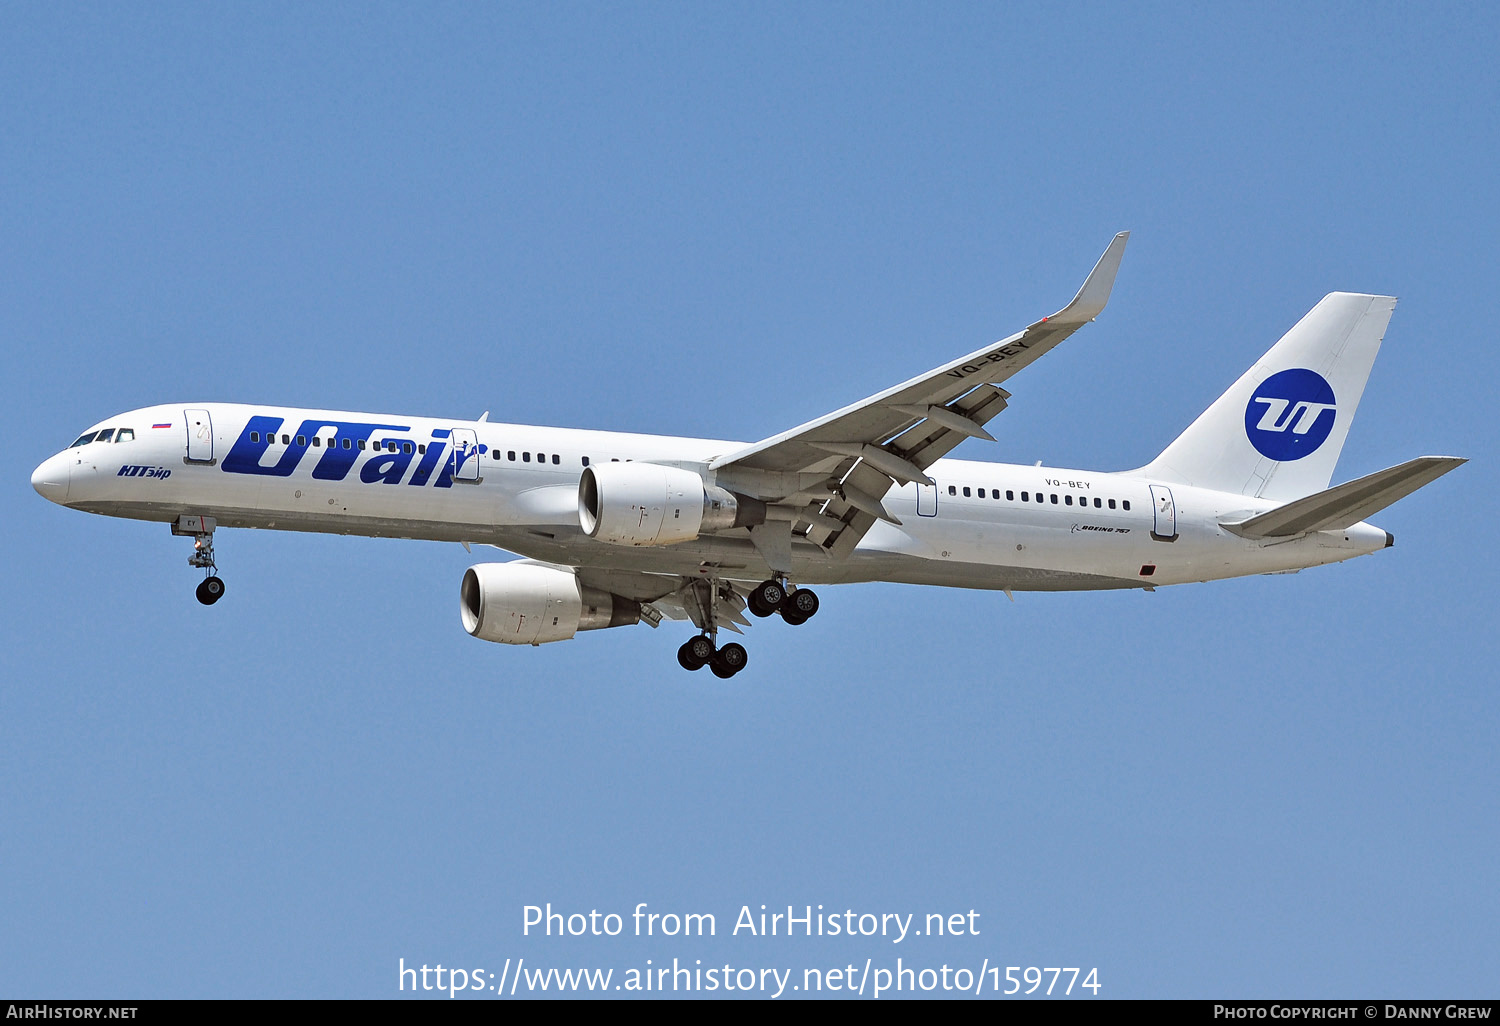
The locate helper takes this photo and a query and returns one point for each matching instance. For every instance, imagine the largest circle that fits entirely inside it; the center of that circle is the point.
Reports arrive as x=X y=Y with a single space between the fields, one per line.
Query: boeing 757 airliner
x=616 y=529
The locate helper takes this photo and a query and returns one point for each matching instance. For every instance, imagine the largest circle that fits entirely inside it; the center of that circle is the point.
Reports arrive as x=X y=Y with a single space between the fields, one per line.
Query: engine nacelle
x=527 y=604
x=648 y=504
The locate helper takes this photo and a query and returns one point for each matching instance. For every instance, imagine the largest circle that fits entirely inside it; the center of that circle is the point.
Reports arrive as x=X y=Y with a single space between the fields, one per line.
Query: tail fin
x=1278 y=431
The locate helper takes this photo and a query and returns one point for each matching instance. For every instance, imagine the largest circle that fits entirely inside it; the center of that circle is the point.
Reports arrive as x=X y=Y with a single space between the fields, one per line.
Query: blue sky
x=724 y=220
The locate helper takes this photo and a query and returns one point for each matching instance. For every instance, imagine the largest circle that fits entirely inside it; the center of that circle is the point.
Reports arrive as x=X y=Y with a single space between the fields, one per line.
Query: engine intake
x=648 y=504
x=527 y=604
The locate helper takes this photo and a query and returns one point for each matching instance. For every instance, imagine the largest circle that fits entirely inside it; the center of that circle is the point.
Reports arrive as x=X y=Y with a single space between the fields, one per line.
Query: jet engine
x=527 y=604
x=647 y=504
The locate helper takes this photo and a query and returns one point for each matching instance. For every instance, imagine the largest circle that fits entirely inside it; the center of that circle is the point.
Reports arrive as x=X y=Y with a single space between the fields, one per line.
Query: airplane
x=617 y=529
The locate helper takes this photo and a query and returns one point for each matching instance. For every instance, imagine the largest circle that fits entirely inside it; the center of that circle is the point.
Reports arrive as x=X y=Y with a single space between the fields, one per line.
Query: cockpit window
x=104 y=435
x=83 y=440
x=125 y=435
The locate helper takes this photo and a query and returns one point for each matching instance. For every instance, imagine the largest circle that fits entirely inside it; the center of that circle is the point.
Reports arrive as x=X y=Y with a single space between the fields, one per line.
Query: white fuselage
x=983 y=525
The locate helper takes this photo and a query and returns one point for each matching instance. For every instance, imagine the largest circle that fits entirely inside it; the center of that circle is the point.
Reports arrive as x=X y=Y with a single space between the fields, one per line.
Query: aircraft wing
x=827 y=477
x=670 y=595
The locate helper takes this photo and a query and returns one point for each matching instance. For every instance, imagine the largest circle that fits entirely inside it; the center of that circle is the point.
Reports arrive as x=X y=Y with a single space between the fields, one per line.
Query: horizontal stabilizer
x=1347 y=504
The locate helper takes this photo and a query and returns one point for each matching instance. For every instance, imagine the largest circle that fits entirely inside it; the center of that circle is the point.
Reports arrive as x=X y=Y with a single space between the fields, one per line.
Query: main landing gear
x=725 y=662
x=201 y=529
x=796 y=607
x=766 y=598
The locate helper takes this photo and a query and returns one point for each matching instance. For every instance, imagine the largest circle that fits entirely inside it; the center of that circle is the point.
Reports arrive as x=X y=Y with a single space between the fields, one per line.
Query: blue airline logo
x=1290 y=414
x=389 y=458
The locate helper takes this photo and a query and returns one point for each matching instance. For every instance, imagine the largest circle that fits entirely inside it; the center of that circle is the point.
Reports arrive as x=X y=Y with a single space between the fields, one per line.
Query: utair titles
x=805 y=921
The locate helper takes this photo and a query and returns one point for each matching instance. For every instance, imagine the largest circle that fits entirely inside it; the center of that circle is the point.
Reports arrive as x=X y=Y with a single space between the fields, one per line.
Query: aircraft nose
x=51 y=478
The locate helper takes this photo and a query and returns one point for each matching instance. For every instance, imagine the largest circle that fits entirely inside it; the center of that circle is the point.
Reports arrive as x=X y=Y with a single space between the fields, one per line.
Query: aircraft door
x=200 y=436
x=926 y=500
x=1164 y=527
x=464 y=455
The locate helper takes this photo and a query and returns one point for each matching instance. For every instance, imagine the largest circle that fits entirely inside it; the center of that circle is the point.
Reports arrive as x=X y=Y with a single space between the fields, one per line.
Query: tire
x=767 y=598
x=793 y=617
x=685 y=658
x=210 y=591
x=803 y=602
x=729 y=660
x=700 y=649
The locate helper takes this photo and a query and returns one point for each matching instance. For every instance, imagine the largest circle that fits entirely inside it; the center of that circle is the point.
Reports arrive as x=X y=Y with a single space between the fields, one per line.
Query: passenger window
x=1068 y=499
x=495 y=454
x=966 y=491
x=1097 y=504
x=1025 y=496
x=1111 y=503
x=361 y=443
x=1010 y=496
x=286 y=439
x=347 y=444
x=1125 y=504
x=255 y=436
x=541 y=457
x=511 y=455
x=422 y=448
x=525 y=457
x=302 y=440
x=83 y=440
x=953 y=489
x=1054 y=498
x=406 y=448
x=317 y=442
x=585 y=461
x=104 y=435
x=556 y=459
x=125 y=435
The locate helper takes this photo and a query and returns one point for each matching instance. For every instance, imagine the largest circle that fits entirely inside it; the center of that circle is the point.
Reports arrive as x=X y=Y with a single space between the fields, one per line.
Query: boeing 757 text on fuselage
x=617 y=529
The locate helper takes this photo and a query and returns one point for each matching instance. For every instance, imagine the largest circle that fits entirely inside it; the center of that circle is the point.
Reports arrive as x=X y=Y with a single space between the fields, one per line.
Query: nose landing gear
x=210 y=591
x=201 y=529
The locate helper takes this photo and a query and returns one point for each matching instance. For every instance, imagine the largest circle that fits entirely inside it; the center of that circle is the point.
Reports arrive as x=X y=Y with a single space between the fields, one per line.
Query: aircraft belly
x=1021 y=556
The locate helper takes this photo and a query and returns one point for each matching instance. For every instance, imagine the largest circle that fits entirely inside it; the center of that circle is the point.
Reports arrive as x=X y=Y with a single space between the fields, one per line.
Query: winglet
x=1089 y=302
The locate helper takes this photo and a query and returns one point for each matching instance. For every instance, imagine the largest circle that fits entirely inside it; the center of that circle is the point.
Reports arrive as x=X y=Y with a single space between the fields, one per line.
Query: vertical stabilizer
x=1278 y=431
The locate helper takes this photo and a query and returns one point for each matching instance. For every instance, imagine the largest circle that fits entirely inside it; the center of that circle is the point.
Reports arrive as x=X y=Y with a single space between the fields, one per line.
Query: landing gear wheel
x=696 y=653
x=793 y=617
x=767 y=598
x=802 y=602
x=210 y=591
x=729 y=660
